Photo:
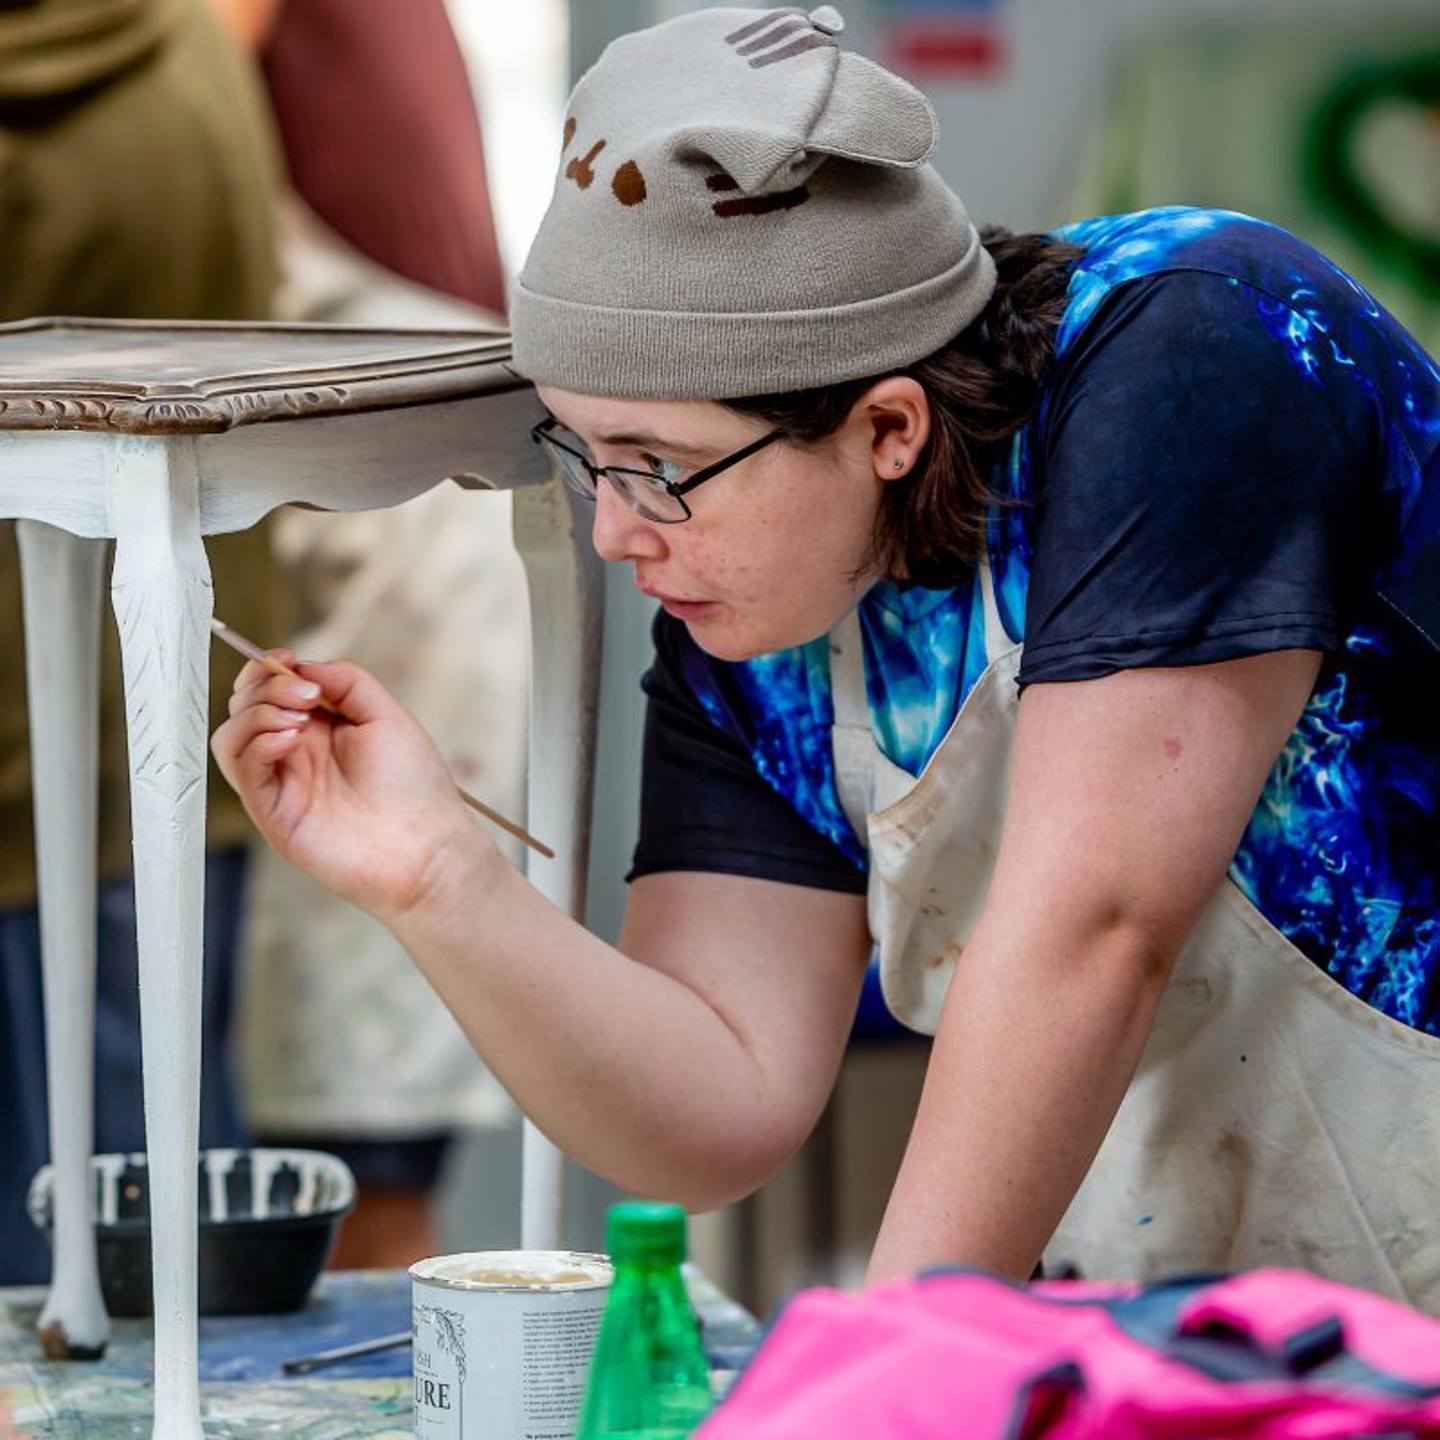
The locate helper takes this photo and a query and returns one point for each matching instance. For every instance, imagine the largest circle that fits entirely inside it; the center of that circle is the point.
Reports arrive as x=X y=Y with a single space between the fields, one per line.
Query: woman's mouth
x=684 y=609
x=677 y=606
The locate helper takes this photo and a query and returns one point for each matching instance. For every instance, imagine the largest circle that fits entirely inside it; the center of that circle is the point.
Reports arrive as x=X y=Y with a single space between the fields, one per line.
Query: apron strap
x=997 y=639
x=847 y=674
x=866 y=779
x=852 y=741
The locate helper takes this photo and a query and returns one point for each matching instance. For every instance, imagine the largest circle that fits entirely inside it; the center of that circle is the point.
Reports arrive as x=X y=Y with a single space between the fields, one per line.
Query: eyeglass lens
x=646 y=494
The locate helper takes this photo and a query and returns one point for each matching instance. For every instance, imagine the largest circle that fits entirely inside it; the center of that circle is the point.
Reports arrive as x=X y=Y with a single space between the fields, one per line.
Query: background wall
x=1011 y=147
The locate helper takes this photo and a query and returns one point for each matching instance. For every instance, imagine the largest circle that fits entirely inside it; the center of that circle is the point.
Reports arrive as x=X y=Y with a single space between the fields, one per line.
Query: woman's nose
x=619 y=533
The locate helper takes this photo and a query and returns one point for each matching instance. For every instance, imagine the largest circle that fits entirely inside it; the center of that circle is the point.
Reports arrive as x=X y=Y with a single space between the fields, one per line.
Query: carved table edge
x=225 y=402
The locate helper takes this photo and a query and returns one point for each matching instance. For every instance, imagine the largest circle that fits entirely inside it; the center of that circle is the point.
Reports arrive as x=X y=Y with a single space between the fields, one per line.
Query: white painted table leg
x=62 y=661
x=162 y=597
x=566 y=598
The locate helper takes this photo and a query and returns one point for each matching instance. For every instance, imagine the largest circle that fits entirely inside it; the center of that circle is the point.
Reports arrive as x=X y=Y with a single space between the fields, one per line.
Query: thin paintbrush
x=342 y=1353
x=251 y=651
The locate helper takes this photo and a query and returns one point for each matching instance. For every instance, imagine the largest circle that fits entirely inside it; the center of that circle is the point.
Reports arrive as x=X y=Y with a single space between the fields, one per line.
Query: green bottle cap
x=652 y=1231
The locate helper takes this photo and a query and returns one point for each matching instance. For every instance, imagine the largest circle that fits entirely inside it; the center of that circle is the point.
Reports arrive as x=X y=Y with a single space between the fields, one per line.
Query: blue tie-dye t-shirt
x=1237 y=451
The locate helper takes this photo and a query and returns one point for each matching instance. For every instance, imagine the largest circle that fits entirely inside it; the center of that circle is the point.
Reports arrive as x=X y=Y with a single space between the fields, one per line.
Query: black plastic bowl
x=268 y=1220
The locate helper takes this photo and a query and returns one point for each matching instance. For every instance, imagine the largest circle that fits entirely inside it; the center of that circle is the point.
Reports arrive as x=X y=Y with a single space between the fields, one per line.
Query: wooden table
x=155 y=436
x=244 y=1392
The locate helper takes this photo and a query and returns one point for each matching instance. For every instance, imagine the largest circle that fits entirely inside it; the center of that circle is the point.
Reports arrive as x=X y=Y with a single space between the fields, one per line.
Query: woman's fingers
x=257 y=686
x=342 y=750
x=350 y=688
x=306 y=776
x=261 y=753
x=266 y=751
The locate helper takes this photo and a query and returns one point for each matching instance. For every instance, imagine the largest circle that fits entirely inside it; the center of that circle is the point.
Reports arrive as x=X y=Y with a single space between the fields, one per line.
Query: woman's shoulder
x=1145 y=242
x=1287 y=280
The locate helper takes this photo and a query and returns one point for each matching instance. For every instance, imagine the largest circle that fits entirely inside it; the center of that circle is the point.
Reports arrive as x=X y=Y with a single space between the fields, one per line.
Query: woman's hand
x=361 y=800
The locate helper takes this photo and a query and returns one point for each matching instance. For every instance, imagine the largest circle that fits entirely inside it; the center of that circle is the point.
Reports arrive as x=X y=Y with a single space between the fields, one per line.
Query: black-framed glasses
x=656 y=494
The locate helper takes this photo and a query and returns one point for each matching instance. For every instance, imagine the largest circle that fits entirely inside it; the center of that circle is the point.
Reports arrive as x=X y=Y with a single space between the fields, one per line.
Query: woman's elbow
x=726 y=1170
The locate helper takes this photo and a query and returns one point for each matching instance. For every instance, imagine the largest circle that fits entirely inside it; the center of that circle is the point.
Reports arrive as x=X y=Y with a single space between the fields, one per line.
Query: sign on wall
x=938 y=40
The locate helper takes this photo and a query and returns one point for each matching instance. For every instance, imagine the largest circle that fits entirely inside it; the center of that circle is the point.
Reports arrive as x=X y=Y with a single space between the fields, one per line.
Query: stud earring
x=897 y=464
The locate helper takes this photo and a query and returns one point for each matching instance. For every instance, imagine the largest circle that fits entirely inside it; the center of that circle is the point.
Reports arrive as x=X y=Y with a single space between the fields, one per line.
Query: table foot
x=57 y=1345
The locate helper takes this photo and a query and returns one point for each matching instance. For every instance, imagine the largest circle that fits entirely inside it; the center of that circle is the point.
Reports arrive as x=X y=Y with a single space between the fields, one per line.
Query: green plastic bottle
x=649 y=1379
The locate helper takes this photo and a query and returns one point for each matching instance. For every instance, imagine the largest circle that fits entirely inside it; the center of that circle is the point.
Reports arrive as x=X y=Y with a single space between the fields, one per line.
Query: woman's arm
x=690 y=1062
x=1128 y=799
x=687 y=1064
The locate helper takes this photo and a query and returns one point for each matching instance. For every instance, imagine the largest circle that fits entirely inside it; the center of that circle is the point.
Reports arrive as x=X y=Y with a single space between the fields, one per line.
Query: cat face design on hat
x=777 y=36
x=627 y=184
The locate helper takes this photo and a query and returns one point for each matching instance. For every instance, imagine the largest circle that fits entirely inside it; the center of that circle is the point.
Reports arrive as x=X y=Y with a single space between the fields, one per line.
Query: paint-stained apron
x=1275 y=1119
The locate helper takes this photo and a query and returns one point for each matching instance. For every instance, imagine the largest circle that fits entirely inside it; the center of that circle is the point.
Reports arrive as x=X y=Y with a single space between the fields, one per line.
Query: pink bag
x=964 y=1355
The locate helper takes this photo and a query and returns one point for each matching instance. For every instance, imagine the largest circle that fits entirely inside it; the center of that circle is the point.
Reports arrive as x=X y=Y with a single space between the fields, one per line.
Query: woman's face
x=776 y=549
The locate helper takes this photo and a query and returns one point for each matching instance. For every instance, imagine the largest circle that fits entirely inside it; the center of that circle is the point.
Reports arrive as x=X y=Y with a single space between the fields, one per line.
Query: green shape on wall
x=1372 y=164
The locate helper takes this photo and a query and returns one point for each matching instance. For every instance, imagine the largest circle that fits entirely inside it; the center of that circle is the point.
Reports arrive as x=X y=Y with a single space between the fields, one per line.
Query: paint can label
x=503 y=1341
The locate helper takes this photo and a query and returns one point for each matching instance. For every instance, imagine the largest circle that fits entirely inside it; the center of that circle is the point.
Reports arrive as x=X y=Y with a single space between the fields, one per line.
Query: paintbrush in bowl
x=251 y=651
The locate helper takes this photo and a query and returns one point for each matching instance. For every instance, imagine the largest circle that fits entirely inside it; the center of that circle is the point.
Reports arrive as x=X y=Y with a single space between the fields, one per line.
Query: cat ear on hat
x=867 y=115
x=847 y=107
x=873 y=116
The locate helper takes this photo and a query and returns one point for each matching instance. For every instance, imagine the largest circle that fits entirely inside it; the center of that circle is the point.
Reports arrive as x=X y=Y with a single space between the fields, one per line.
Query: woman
x=1118 y=536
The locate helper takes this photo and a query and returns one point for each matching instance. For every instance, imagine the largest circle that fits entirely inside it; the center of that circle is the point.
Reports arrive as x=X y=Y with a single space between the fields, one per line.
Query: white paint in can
x=502 y=1342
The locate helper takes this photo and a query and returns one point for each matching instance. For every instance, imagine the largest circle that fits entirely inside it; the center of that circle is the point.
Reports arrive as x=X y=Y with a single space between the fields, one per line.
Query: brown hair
x=983 y=386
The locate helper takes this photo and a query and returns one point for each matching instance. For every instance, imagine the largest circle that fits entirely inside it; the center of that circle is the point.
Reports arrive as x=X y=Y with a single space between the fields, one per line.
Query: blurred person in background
x=377 y=119
x=136 y=182
x=387 y=222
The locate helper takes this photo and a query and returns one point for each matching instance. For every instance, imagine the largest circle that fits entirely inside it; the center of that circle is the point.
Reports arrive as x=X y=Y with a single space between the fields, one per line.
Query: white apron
x=1275 y=1119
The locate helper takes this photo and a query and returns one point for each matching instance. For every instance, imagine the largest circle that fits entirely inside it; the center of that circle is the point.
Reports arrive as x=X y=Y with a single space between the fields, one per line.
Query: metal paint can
x=503 y=1340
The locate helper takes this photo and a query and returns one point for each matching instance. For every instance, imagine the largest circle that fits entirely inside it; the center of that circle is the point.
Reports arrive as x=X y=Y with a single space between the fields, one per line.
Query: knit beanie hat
x=743 y=208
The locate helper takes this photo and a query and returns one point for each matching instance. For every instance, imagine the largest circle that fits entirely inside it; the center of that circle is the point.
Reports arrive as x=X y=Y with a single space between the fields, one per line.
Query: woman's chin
x=735 y=642
x=725 y=650
x=724 y=641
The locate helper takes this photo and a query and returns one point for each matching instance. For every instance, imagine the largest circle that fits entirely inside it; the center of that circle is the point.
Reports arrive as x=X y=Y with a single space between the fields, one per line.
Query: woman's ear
x=894 y=419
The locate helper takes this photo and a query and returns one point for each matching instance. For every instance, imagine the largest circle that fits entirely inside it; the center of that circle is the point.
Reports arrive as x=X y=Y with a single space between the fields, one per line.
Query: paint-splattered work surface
x=243 y=1392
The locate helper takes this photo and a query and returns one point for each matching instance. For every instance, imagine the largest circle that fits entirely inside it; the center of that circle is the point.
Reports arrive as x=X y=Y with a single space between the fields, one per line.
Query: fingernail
x=306 y=690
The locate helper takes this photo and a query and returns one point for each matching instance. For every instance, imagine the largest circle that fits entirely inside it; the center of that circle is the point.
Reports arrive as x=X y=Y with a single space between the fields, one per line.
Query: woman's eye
x=666 y=469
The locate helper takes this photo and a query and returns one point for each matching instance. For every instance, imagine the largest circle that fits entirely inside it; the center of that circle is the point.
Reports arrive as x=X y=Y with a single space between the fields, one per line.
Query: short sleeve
x=1203 y=490
x=703 y=803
